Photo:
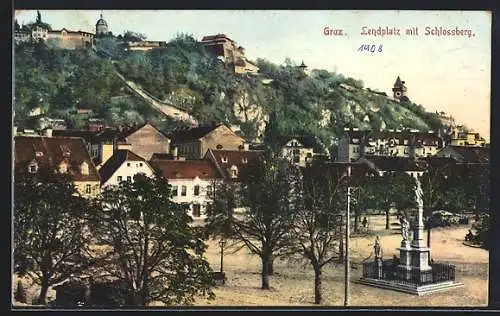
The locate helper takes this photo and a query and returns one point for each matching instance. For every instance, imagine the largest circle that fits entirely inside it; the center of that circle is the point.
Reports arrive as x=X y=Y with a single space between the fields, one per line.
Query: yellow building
x=64 y=155
x=193 y=143
x=467 y=139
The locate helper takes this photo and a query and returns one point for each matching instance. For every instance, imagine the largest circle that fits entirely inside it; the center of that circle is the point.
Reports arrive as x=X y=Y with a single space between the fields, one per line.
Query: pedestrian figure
x=365 y=222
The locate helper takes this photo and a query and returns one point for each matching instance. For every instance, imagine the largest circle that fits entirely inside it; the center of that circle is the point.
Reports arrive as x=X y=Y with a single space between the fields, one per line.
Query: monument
x=414 y=258
x=412 y=272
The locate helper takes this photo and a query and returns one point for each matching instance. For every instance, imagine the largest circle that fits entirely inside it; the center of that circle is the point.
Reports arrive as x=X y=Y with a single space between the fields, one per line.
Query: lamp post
x=222 y=242
x=347 y=232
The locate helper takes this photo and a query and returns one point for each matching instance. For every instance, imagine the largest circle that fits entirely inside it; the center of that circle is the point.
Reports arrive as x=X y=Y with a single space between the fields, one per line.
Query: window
x=128 y=164
x=183 y=190
x=355 y=140
x=244 y=160
x=85 y=168
x=234 y=172
x=33 y=168
x=175 y=190
x=224 y=159
x=88 y=189
x=209 y=190
x=129 y=178
x=219 y=147
x=406 y=151
x=196 y=210
x=140 y=164
x=63 y=167
x=119 y=179
x=405 y=142
x=196 y=190
x=296 y=158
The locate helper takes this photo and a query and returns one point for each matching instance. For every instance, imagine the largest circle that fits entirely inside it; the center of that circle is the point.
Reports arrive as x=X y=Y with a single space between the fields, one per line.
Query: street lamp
x=347 y=232
x=222 y=242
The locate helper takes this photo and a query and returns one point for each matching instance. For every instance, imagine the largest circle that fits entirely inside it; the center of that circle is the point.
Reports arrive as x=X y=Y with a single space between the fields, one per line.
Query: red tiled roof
x=50 y=152
x=466 y=154
x=215 y=37
x=187 y=169
x=225 y=159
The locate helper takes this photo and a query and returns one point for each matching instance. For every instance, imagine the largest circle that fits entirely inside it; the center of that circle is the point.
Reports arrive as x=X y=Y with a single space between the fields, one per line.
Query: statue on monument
x=405 y=225
x=377 y=249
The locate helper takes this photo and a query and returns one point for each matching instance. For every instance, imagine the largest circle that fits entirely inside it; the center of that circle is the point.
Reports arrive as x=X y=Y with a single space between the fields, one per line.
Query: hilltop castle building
x=101 y=27
x=232 y=55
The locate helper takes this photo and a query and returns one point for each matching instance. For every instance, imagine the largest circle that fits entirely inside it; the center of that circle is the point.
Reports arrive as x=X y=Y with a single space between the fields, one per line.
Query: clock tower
x=399 y=90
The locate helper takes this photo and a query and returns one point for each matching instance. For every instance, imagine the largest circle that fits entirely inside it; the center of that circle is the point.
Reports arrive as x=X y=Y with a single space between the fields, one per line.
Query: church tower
x=101 y=27
x=399 y=90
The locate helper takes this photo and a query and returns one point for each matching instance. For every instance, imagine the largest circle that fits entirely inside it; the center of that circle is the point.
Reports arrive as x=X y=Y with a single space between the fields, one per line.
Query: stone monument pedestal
x=414 y=263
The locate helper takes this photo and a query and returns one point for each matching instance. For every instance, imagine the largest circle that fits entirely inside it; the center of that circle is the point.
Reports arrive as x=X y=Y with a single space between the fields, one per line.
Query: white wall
x=129 y=171
x=190 y=198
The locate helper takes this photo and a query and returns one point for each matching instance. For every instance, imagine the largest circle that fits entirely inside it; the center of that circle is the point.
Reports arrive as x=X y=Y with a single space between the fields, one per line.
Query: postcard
x=235 y=158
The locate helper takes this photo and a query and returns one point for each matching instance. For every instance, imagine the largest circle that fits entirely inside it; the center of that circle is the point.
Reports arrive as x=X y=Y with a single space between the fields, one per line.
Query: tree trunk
x=428 y=237
x=265 y=272
x=43 y=292
x=387 y=219
x=317 y=285
x=270 y=268
x=356 y=221
x=138 y=298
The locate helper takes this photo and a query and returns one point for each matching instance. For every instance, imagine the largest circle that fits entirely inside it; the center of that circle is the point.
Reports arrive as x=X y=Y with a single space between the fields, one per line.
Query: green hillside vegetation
x=184 y=74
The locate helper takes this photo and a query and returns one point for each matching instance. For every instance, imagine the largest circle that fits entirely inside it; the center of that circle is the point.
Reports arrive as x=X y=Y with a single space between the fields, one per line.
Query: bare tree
x=269 y=194
x=317 y=225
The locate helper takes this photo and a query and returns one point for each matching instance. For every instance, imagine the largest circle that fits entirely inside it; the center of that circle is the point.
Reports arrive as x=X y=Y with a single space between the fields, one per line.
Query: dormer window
x=244 y=160
x=33 y=167
x=224 y=159
x=355 y=140
x=234 y=172
x=84 y=167
x=39 y=154
x=63 y=167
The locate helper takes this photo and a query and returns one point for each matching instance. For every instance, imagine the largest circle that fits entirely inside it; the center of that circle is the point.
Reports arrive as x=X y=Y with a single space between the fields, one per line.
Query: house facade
x=193 y=143
x=298 y=149
x=123 y=165
x=356 y=143
x=64 y=155
x=192 y=181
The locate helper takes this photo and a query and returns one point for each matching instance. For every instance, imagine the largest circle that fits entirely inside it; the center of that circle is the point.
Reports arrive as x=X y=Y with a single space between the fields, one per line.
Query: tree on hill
x=153 y=248
x=129 y=36
x=49 y=228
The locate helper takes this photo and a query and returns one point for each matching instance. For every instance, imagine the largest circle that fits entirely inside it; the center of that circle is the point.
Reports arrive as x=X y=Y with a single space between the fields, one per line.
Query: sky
x=450 y=73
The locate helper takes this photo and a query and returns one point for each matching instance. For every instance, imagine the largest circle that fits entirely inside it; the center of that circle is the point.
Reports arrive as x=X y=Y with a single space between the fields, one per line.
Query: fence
x=440 y=272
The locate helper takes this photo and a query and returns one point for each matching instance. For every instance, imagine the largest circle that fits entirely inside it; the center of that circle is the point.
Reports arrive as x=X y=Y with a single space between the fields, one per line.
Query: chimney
x=124 y=146
x=246 y=146
x=48 y=132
